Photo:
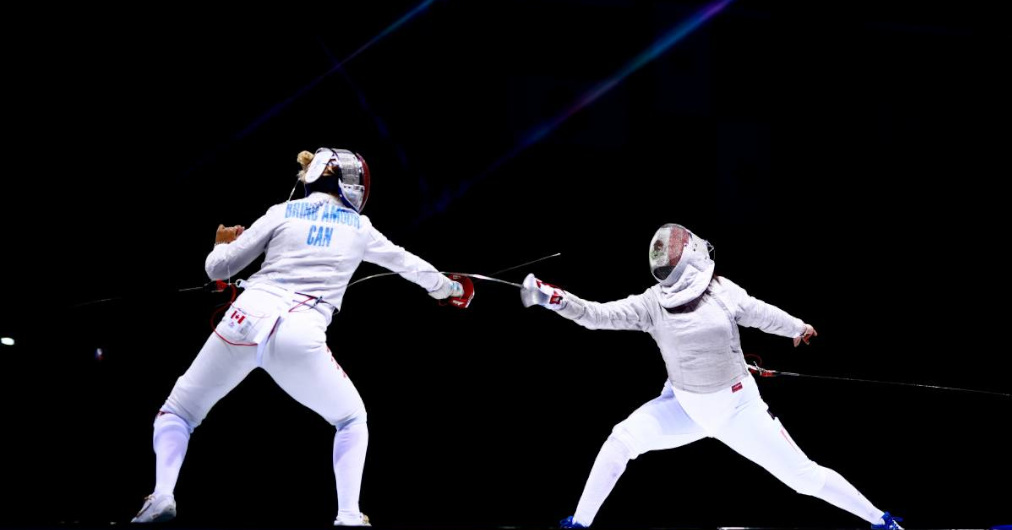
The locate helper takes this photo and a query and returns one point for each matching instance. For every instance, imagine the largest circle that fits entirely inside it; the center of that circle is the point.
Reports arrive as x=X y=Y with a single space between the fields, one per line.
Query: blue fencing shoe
x=568 y=522
x=888 y=523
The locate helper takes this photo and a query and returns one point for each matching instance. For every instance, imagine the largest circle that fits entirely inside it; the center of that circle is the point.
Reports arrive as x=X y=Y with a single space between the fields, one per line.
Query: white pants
x=738 y=418
x=258 y=331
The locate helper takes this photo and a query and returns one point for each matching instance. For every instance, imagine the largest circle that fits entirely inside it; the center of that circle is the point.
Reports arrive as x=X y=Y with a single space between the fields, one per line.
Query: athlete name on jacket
x=319 y=235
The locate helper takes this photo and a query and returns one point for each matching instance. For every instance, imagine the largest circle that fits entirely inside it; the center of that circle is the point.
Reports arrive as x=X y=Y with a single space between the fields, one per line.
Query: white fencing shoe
x=156 y=509
x=361 y=520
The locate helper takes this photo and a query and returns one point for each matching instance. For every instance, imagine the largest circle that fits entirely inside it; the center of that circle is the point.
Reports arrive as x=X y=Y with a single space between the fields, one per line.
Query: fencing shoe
x=889 y=522
x=568 y=522
x=361 y=520
x=156 y=509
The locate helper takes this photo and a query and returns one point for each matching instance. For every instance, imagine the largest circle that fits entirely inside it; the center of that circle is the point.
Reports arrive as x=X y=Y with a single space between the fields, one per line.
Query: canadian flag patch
x=736 y=387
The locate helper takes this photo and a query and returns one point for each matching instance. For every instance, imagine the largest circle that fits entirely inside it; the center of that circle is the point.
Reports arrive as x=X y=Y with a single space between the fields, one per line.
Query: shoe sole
x=167 y=515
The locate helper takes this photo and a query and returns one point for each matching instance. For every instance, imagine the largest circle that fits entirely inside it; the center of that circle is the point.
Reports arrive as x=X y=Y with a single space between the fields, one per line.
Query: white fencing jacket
x=698 y=340
x=313 y=246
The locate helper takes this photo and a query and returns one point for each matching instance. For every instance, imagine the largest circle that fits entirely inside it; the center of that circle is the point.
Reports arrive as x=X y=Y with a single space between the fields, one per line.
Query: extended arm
x=631 y=313
x=384 y=253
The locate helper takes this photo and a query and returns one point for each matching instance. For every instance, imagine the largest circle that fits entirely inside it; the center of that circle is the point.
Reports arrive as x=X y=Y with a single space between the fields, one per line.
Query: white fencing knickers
x=738 y=417
x=259 y=331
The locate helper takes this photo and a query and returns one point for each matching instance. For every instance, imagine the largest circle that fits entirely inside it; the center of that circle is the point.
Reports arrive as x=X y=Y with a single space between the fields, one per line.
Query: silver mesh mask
x=349 y=168
x=673 y=249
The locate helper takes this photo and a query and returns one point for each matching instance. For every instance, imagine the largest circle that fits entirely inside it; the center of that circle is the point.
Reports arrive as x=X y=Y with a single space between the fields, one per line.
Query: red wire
x=308 y=298
x=223 y=306
x=759 y=366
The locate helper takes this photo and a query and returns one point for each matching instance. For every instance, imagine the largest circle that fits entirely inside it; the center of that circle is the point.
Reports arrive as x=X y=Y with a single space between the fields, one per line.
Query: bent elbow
x=214 y=268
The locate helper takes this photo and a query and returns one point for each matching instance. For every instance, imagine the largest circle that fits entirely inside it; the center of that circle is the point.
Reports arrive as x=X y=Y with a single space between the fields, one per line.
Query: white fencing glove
x=449 y=289
x=457 y=292
x=535 y=291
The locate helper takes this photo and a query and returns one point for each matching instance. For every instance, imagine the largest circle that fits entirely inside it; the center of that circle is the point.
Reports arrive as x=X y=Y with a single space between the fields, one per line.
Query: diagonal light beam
x=536 y=134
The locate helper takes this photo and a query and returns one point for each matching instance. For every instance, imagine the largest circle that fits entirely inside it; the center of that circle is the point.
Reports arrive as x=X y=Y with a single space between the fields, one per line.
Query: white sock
x=350 y=444
x=608 y=467
x=840 y=493
x=172 y=436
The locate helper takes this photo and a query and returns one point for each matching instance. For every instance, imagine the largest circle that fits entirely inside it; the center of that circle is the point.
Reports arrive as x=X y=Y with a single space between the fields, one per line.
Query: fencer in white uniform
x=694 y=317
x=279 y=322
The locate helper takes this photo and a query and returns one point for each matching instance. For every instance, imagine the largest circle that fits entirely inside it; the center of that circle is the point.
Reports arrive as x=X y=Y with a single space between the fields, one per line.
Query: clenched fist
x=227 y=234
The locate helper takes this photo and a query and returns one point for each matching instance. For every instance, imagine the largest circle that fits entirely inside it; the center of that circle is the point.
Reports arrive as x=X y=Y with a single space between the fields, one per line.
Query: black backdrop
x=836 y=156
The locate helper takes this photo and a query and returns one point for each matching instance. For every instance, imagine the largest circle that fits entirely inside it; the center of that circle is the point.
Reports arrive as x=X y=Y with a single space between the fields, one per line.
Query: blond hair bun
x=304 y=159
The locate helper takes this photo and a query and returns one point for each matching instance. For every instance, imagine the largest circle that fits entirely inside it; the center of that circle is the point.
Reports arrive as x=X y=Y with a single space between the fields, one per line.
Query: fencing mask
x=349 y=170
x=681 y=262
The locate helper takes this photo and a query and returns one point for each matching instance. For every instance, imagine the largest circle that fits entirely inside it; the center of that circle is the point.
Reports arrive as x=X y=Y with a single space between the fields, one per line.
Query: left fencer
x=313 y=246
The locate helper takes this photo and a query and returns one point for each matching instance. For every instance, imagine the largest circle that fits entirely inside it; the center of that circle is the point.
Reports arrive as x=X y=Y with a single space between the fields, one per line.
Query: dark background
x=844 y=159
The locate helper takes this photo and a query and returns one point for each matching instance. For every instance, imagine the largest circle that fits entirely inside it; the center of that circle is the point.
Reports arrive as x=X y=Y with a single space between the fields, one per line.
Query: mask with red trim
x=349 y=171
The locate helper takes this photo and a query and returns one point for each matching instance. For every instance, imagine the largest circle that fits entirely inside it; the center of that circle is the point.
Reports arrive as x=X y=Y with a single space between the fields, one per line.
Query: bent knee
x=181 y=405
x=358 y=418
x=166 y=418
x=625 y=442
